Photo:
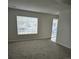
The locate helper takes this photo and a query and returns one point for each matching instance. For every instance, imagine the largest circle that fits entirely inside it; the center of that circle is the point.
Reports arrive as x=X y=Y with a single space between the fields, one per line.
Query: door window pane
x=54 y=29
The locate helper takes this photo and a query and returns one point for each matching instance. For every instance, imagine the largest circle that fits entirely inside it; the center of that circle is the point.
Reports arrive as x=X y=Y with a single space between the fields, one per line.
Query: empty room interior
x=39 y=29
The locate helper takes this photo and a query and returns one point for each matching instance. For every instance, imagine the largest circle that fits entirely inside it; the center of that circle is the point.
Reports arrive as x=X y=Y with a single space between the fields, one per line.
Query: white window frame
x=29 y=28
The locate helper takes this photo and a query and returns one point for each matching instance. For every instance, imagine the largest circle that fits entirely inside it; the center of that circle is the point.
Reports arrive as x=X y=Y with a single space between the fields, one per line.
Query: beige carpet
x=37 y=49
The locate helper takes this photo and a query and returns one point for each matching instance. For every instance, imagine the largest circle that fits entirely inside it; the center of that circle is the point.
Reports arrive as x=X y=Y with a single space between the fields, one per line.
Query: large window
x=27 y=25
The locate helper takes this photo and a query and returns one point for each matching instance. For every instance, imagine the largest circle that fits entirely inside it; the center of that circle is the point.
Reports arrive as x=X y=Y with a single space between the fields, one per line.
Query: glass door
x=54 y=29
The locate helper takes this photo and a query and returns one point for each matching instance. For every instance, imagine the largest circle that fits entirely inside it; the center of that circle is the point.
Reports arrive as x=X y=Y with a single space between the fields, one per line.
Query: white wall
x=44 y=25
x=64 y=28
x=45 y=22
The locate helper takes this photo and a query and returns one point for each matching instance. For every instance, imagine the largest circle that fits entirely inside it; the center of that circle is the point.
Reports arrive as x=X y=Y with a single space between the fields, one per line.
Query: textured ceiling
x=45 y=6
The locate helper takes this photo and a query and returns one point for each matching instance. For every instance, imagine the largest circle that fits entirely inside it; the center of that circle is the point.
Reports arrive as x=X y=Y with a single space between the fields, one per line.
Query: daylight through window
x=27 y=25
